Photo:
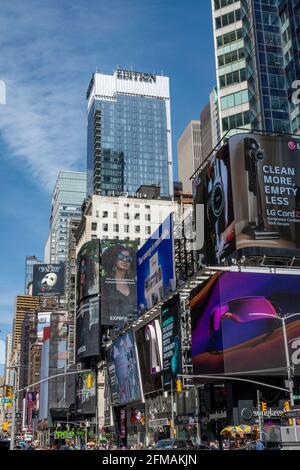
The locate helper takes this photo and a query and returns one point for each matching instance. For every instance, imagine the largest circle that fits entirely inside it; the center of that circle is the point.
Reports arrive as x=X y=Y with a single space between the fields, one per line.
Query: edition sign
x=136 y=76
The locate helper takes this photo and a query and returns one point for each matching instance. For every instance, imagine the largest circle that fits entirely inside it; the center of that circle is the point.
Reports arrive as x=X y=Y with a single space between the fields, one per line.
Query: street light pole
x=172 y=411
x=259 y=416
x=197 y=415
x=13 y=423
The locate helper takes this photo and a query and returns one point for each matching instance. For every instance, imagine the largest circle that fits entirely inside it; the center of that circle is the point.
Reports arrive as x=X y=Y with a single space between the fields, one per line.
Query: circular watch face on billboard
x=246 y=413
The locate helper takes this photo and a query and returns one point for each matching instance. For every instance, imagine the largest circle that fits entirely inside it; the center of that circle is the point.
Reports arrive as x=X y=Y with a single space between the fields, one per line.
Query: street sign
x=6 y=400
x=296 y=397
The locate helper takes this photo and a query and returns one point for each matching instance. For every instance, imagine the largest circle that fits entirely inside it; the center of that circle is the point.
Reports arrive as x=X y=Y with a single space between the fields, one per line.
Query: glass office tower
x=129 y=133
x=257 y=55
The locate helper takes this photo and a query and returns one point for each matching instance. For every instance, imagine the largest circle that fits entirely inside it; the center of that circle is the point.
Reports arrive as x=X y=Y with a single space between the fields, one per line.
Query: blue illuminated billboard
x=155 y=266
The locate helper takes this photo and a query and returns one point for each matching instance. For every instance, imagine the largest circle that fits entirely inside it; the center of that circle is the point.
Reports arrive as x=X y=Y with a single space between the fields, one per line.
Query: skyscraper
x=256 y=59
x=189 y=154
x=128 y=133
x=30 y=261
x=68 y=195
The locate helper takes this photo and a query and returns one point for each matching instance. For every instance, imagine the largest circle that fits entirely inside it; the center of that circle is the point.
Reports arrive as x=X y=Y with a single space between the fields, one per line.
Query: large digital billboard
x=236 y=325
x=251 y=193
x=87 y=329
x=155 y=266
x=88 y=270
x=118 y=281
x=48 y=279
x=171 y=343
x=123 y=371
x=149 y=347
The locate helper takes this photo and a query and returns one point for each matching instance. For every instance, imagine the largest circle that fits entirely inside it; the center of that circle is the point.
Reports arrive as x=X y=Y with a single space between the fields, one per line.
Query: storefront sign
x=156 y=423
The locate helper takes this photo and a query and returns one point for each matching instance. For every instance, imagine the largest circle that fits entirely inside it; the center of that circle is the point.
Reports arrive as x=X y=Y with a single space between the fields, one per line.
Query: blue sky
x=49 y=51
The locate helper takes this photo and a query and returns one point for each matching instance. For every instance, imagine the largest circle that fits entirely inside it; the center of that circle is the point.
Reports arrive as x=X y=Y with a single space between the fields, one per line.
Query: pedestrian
x=259 y=445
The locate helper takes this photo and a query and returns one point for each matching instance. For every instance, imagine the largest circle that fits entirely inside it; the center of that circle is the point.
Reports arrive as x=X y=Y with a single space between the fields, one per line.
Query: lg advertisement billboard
x=250 y=191
x=155 y=266
x=236 y=325
x=48 y=279
x=171 y=344
x=123 y=371
x=118 y=281
x=88 y=270
x=149 y=348
x=87 y=329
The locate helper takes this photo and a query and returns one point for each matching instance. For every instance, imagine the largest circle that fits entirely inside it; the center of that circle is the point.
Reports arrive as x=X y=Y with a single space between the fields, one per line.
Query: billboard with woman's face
x=237 y=325
x=118 y=281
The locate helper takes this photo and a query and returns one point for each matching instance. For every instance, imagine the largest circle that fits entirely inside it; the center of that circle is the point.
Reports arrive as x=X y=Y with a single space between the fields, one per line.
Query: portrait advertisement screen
x=250 y=191
x=88 y=270
x=48 y=279
x=87 y=328
x=118 y=281
x=149 y=347
x=171 y=343
x=236 y=324
x=86 y=392
x=123 y=371
x=155 y=266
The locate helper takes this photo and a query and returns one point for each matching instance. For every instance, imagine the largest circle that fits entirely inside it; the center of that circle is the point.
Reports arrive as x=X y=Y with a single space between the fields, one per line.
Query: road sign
x=296 y=397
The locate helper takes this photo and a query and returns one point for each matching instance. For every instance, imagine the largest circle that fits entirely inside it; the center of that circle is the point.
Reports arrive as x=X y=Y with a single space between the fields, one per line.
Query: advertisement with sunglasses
x=118 y=281
x=236 y=325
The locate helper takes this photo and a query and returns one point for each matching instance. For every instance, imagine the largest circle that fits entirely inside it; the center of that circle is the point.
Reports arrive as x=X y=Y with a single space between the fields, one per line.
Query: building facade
x=24 y=305
x=68 y=195
x=257 y=60
x=189 y=154
x=30 y=261
x=128 y=133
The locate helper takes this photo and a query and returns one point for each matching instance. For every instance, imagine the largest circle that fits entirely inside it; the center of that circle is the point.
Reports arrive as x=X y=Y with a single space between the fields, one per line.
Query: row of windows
x=231 y=57
x=232 y=78
x=136 y=216
x=227 y=19
x=235 y=121
x=235 y=99
x=223 y=3
x=116 y=228
x=229 y=38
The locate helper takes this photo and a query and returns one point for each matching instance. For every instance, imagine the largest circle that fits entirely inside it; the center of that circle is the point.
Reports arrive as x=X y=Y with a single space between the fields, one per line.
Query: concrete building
x=8 y=355
x=129 y=133
x=189 y=154
x=24 y=305
x=257 y=59
x=122 y=218
x=68 y=195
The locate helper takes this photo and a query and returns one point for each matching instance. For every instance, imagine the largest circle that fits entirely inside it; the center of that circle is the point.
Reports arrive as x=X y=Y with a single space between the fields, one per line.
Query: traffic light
x=5 y=426
x=263 y=406
x=89 y=382
x=287 y=406
x=178 y=385
x=9 y=391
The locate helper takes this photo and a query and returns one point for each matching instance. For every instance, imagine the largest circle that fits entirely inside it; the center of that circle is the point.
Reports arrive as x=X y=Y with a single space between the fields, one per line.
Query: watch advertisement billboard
x=237 y=325
x=149 y=347
x=88 y=270
x=118 y=281
x=171 y=344
x=87 y=329
x=155 y=266
x=48 y=279
x=123 y=371
x=251 y=193
x=86 y=392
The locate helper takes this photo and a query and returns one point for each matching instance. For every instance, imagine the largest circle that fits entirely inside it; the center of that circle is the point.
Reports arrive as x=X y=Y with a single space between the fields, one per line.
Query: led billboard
x=155 y=266
x=88 y=270
x=171 y=343
x=123 y=371
x=250 y=190
x=87 y=328
x=118 y=281
x=236 y=324
x=48 y=279
x=149 y=347
x=86 y=392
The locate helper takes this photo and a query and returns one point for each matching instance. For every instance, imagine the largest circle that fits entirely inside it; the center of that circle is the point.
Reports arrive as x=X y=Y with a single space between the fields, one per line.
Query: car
x=174 y=444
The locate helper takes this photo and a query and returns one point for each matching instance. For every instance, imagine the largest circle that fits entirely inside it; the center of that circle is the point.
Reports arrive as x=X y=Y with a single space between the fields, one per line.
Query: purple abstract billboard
x=236 y=324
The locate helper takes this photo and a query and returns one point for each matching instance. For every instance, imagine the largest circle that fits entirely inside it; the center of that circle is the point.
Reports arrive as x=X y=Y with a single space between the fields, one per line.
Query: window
x=105 y=227
x=97 y=213
x=94 y=225
x=233 y=78
x=137 y=216
x=94 y=237
x=115 y=216
x=148 y=230
x=148 y=217
x=116 y=227
x=126 y=215
x=235 y=99
x=137 y=229
x=104 y=214
x=227 y=19
x=126 y=228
